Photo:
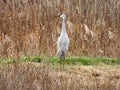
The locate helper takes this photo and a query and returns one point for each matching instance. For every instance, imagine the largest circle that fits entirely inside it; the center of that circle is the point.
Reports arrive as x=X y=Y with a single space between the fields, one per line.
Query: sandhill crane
x=63 y=41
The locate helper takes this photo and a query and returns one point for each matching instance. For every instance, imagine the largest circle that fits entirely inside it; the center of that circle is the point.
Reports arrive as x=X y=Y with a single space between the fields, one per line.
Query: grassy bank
x=68 y=61
x=74 y=60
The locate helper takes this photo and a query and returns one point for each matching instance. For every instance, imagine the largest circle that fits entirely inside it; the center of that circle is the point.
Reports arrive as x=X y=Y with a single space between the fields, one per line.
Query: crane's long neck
x=63 y=26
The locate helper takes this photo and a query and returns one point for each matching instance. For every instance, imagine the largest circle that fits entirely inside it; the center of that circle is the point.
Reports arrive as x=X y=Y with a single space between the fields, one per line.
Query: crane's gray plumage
x=63 y=40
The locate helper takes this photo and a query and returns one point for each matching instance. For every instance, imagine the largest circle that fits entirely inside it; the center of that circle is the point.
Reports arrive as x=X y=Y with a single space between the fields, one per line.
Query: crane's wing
x=62 y=45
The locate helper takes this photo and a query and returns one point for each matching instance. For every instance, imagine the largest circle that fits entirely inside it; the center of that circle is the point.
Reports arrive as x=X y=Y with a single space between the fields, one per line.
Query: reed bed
x=30 y=27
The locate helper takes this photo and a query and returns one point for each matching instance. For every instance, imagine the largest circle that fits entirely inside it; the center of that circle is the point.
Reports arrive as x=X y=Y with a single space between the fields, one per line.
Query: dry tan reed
x=29 y=27
x=32 y=76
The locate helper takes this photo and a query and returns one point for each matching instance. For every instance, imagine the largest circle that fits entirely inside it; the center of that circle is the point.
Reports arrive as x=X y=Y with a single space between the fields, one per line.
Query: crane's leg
x=63 y=61
x=60 y=62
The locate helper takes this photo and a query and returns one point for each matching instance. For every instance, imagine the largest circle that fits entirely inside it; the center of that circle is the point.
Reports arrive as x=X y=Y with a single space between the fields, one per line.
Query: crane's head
x=63 y=16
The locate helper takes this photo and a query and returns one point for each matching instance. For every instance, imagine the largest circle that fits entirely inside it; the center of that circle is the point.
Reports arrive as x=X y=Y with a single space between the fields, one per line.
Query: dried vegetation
x=30 y=27
x=33 y=76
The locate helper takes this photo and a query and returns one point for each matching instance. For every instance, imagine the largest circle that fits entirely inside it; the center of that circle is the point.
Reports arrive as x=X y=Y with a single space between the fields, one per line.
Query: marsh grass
x=29 y=27
x=31 y=75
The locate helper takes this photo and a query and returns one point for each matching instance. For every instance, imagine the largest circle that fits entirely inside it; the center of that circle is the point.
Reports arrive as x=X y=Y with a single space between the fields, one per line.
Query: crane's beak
x=58 y=15
x=61 y=16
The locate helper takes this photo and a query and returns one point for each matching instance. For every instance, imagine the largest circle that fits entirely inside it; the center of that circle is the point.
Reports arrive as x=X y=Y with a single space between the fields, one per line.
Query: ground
x=38 y=74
